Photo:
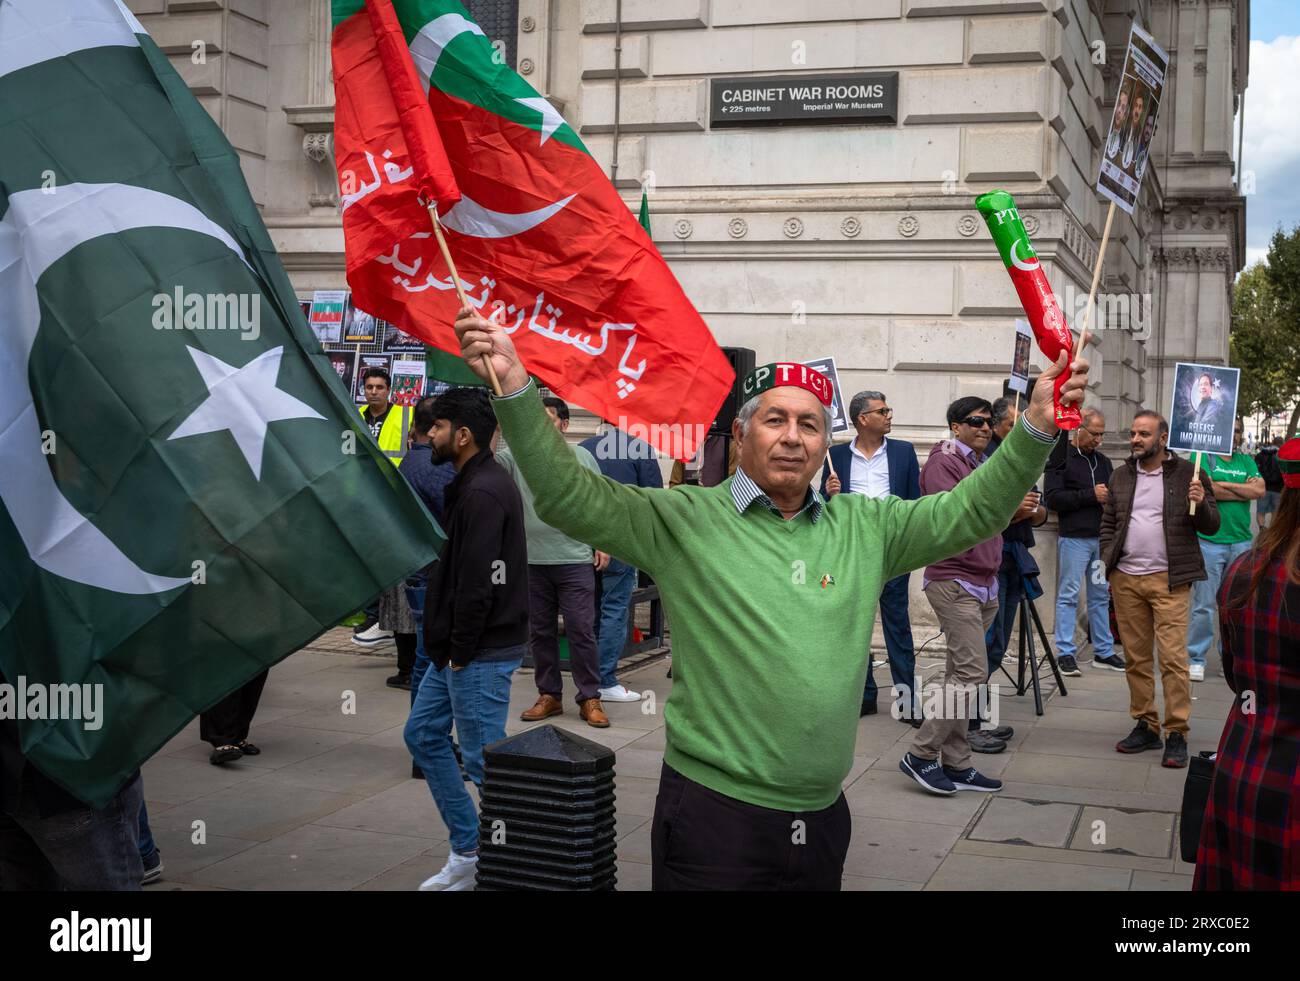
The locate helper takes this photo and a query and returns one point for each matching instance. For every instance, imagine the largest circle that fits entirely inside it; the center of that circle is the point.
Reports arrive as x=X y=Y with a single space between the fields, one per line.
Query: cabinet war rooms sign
x=805 y=99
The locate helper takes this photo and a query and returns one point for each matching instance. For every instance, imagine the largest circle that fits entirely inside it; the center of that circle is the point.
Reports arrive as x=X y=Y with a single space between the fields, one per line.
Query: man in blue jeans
x=877 y=466
x=475 y=623
x=629 y=461
x=1237 y=482
x=1076 y=489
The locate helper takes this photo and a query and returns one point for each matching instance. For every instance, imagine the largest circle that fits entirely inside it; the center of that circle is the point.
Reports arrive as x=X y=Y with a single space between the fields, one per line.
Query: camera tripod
x=1028 y=655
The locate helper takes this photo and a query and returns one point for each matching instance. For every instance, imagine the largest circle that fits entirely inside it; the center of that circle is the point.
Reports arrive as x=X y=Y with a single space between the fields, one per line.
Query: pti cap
x=781 y=373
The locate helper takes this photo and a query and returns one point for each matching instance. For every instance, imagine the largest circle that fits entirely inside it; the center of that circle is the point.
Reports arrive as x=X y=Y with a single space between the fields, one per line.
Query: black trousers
x=703 y=840
x=227 y=722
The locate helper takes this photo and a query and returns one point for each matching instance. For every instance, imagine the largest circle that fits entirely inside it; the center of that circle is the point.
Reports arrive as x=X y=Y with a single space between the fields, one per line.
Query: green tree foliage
x=1264 y=341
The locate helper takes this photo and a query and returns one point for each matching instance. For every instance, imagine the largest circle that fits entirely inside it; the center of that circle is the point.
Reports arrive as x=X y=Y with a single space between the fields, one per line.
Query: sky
x=1271 y=141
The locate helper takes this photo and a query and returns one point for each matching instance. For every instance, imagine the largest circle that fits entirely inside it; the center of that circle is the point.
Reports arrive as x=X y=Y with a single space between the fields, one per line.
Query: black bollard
x=547 y=813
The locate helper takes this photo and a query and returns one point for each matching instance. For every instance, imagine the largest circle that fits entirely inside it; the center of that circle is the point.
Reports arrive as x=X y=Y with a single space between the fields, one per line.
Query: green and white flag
x=186 y=496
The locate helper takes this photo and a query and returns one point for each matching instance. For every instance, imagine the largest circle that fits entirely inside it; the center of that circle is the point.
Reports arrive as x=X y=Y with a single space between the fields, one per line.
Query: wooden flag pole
x=460 y=292
x=1096 y=278
x=1196 y=475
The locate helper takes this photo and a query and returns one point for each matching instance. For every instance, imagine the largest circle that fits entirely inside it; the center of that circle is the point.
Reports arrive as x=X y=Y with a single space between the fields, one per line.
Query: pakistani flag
x=186 y=495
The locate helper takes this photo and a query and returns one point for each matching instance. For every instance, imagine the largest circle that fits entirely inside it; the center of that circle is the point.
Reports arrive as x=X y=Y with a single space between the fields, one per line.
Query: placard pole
x=1096 y=278
x=1196 y=475
x=460 y=292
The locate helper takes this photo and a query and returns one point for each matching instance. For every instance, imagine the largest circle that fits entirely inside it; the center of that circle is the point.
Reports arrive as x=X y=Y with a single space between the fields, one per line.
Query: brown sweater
x=1182 y=547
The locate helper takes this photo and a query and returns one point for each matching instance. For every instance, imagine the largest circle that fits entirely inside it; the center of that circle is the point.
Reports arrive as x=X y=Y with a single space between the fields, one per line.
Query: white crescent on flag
x=37 y=231
x=468 y=216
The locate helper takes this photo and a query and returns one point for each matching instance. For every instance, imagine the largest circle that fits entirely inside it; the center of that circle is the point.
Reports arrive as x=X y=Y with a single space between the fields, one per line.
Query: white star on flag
x=551 y=120
x=244 y=401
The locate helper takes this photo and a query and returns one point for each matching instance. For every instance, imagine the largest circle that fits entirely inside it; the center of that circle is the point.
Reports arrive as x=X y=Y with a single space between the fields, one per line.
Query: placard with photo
x=1204 y=408
x=1133 y=124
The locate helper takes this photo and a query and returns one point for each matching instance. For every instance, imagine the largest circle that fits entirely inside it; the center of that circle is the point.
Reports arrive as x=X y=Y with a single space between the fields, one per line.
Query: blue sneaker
x=928 y=773
x=971 y=779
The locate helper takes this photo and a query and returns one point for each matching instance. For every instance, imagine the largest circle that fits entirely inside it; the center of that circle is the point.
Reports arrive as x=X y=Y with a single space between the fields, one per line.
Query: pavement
x=330 y=802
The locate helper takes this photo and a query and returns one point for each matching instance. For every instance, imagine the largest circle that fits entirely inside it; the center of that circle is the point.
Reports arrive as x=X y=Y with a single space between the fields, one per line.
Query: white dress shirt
x=869 y=475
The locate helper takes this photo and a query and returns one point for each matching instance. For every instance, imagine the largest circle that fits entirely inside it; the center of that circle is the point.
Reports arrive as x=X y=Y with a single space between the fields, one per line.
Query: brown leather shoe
x=545 y=707
x=593 y=714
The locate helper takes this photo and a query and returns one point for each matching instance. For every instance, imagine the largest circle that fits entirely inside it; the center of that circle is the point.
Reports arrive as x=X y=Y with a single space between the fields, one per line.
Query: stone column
x=1183 y=79
x=1218 y=79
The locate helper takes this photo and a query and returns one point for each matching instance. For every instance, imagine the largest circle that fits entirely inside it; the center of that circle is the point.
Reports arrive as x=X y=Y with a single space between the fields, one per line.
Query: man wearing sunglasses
x=963 y=590
x=877 y=466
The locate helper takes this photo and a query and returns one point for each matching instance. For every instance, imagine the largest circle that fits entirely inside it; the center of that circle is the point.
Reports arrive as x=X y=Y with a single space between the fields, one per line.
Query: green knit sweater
x=768 y=664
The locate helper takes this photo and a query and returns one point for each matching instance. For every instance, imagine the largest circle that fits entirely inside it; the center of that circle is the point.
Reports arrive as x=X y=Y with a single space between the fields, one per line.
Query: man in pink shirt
x=1152 y=556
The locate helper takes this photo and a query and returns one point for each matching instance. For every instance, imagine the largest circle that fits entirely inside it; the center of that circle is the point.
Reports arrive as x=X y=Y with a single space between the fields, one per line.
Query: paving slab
x=1161 y=882
x=313 y=857
x=969 y=873
x=1108 y=829
x=354 y=768
x=1011 y=820
x=1034 y=853
x=907 y=850
x=871 y=883
x=406 y=808
x=259 y=810
x=894 y=797
x=1026 y=767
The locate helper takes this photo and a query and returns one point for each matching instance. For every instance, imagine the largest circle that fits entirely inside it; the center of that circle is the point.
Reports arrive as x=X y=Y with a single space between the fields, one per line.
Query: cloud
x=1271 y=148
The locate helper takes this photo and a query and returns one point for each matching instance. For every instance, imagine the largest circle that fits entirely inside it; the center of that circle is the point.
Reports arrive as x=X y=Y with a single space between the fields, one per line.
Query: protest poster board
x=360 y=327
x=839 y=411
x=398 y=341
x=1133 y=125
x=408 y=381
x=384 y=361
x=343 y=363
x=1204 y=408
x=326 y=317
x=1020 y=358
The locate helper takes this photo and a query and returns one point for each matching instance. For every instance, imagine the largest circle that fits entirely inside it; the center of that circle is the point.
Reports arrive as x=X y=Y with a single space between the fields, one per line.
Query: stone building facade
x=858 y=241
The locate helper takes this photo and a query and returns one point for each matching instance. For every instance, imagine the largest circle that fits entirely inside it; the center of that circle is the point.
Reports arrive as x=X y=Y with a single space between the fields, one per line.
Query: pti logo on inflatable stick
x=1000 y=214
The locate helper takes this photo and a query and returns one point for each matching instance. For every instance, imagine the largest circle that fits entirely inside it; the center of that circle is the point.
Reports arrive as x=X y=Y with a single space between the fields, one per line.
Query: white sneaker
x=1196 y=672
x=374 y=637
x=619 y=693
x=456 y=876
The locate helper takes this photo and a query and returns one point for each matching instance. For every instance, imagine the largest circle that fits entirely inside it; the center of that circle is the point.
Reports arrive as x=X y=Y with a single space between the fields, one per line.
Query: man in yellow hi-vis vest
x=389 y=424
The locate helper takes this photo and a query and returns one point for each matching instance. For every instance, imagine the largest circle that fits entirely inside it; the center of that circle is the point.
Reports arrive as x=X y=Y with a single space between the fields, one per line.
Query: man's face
x=1121 y=107
x=1089 y=436
x=561 y=424
x=1004 y=426
x=1146 y=439
x=376 y=393
x=1207 y=388
x=442 y=437
x=1137 y=110
x=1238 y=436
x=786 y=442
x=974 y=430
x=877 y=419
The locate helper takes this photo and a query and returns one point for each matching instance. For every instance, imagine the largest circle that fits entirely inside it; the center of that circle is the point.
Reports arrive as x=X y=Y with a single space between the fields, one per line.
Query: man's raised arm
x=609 y=516
x=920 y=533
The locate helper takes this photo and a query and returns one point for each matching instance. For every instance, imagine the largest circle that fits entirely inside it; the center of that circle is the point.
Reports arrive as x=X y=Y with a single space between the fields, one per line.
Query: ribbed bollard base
x=547 y=813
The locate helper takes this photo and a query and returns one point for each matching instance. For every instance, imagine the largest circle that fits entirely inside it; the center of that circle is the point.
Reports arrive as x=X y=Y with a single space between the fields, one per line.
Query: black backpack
x=1266 y=461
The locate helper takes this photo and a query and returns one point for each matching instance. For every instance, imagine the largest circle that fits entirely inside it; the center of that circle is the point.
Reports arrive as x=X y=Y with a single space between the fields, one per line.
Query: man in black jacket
x=1076 y=490
x=475 y=623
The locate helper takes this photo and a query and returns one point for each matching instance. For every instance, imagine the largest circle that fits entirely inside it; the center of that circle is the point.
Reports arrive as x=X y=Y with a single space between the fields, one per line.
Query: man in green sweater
x=765 y=585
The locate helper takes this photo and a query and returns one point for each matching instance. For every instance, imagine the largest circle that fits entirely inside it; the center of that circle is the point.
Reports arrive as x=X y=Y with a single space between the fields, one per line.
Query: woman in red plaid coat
x=1251 y=835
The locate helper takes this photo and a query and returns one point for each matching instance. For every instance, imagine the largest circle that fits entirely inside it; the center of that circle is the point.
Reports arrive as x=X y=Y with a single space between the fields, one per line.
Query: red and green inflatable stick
x=1050 y=329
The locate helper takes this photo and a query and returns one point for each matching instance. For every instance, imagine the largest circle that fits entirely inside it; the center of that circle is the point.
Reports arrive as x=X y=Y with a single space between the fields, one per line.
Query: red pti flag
x=539 y=235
